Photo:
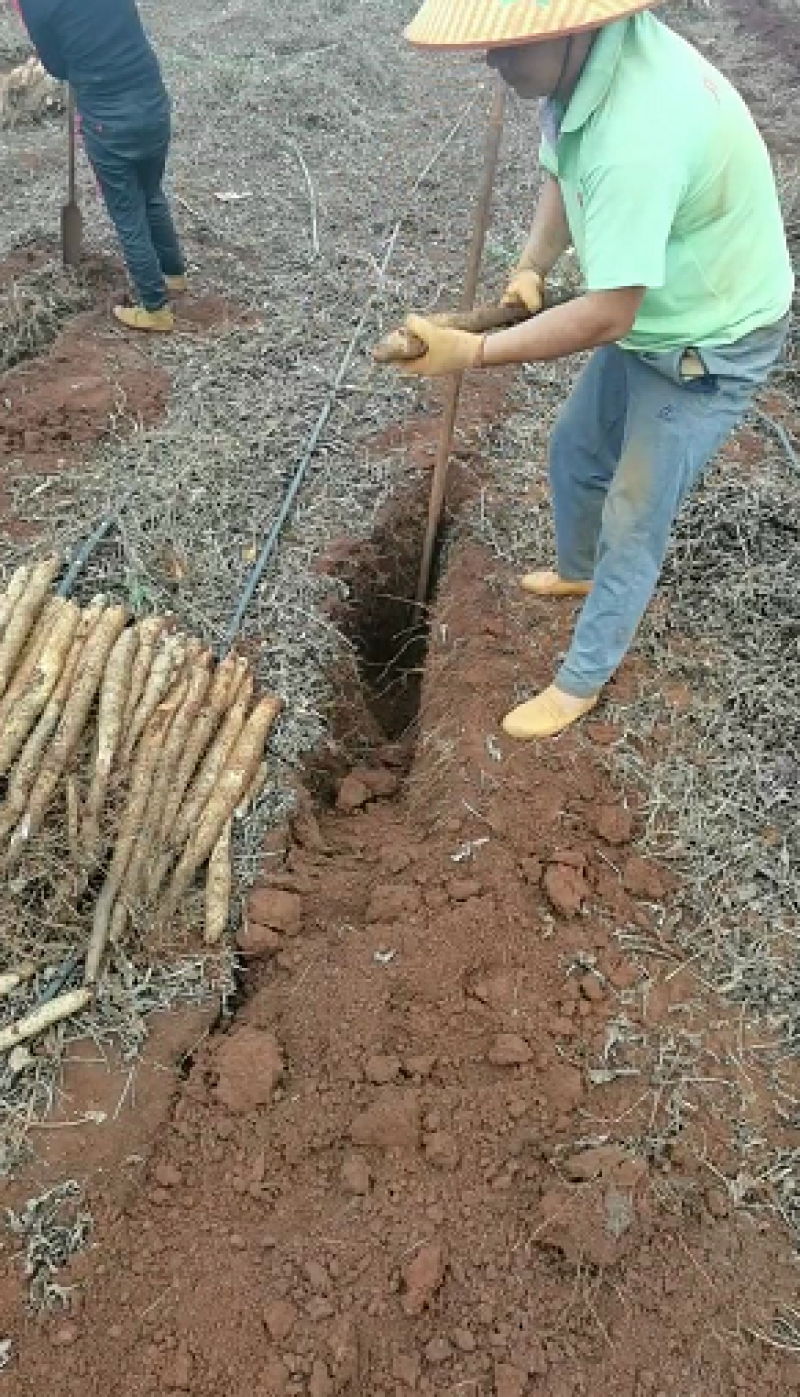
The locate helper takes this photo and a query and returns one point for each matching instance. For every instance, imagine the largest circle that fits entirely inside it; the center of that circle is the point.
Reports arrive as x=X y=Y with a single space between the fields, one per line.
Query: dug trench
x=437 y=1149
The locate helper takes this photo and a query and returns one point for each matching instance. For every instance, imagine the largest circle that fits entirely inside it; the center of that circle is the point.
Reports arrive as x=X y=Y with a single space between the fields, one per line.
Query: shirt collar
x=597 y=75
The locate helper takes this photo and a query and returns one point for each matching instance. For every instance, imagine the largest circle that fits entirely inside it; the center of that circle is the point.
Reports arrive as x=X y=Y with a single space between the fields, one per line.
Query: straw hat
x=485 y=24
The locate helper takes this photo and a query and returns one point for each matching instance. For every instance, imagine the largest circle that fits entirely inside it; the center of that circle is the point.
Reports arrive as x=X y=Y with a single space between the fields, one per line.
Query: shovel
x=71 y=220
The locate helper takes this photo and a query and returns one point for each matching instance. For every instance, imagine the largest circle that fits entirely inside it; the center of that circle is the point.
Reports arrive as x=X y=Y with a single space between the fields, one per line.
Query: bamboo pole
x=480 y=224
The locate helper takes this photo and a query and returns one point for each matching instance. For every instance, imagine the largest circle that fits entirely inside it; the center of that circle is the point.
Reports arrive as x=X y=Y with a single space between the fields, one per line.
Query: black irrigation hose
x=82 y=557
x=289 y=498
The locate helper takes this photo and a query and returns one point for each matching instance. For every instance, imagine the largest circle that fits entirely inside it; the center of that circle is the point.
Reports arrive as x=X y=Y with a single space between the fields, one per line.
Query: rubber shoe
x=547 y=715
x=549 y=584
x=177 y=285
x=138 y=318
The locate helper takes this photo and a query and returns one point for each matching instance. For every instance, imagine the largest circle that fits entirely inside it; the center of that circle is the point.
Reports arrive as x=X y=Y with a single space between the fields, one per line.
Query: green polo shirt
x=668 y=185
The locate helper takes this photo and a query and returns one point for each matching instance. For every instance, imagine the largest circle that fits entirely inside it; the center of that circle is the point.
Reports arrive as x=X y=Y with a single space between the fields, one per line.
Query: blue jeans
x=127 y=150
x=631 y=441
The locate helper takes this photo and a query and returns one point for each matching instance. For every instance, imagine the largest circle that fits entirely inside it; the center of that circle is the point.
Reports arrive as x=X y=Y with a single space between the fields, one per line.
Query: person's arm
x=549 y=237
x=629 y=210
x=38 y=16
x=599 y=317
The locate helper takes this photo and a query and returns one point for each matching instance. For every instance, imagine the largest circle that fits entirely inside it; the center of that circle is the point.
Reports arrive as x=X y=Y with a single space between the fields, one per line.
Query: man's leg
x=159 y=216
x=124 y=197
x=672 y=432
x=584 y=451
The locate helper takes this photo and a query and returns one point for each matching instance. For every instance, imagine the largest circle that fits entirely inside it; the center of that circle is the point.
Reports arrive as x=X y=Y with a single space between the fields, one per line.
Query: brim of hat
x=454 y=25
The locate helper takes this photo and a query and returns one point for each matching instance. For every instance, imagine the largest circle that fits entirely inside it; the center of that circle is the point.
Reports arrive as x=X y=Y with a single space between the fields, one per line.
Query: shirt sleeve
x=547 y=158
x=40 y=22
x=629 y=210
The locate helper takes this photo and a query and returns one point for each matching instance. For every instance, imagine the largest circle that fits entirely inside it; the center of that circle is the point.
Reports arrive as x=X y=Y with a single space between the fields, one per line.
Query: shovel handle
x=71 y=142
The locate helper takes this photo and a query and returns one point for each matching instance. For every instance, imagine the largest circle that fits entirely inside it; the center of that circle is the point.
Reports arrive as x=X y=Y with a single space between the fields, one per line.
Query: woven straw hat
x=485 y=24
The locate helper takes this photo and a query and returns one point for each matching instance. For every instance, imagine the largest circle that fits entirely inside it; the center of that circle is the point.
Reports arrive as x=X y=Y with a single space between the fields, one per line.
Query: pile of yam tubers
x=145 y=747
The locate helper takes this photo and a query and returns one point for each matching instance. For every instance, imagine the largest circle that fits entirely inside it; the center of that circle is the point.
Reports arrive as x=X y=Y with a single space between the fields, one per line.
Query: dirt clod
x=382 y=1068
x=65 y=1336
x=509 y=1381
x=249 y=1065
x=280 y=1317
x=390 y=903
x=423 y=1277
x=355 y=1175
x=462 y=889
x=464 y=1340
x=178 y=1373
x=509 y=1050
x=438 y=1350
x=319 y=1384
x=591 y=988
x=167 y=1176
x=275 y=1376
x=614 y=824
x=275 y=908
x=392 y=1122
x=642 y=879
x=352 y=794
x=566 y=888
x=379 y=781
x=255 y=940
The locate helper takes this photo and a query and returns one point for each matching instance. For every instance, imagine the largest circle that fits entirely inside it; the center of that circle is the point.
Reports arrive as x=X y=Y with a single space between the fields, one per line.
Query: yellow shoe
x=138 y=318
x=549 y=584
x=547 y=715
x=176 y=285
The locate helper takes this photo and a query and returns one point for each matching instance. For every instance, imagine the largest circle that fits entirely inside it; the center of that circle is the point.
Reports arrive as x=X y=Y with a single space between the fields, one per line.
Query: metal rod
x=479 y=228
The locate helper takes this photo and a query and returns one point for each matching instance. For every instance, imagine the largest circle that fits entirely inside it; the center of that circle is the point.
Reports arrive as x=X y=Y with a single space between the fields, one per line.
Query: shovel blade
x=71 y=235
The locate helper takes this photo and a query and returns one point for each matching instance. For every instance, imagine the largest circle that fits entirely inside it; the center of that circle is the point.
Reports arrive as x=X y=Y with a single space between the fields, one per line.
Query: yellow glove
x=526 y=288
x=448 y=351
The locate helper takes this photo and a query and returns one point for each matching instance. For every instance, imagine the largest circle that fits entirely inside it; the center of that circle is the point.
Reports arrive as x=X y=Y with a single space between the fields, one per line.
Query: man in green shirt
x=656 y=174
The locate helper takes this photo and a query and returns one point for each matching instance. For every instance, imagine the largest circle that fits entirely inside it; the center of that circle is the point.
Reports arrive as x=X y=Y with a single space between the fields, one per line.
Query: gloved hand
x=526 y=288
x=448 y=351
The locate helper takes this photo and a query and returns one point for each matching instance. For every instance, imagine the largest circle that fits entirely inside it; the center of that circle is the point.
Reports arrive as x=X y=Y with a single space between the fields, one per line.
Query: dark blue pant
x=129 y=159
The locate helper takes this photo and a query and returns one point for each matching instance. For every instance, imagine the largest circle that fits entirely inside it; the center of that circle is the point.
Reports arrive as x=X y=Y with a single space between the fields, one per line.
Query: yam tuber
x=109 y=925
x=165 y=666
x=148 y=634
x=27 y=768
x=113 y=695
x=225 y=685
x=256 y=787
x=40 y=686
x=207 y=777
x=198 y=678
x=233 y=782
x=73 y=819
x=24 y=617
x=154 y=742
x=46 y=1016
x=218 y=887
x=130 y=825
x=28 y=660
x=9 y=598
x=73 y=719
x=11 y=980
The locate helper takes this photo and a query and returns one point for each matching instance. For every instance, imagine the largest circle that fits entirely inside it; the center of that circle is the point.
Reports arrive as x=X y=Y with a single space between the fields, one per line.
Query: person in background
x=100 y=48
x=655 y=173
